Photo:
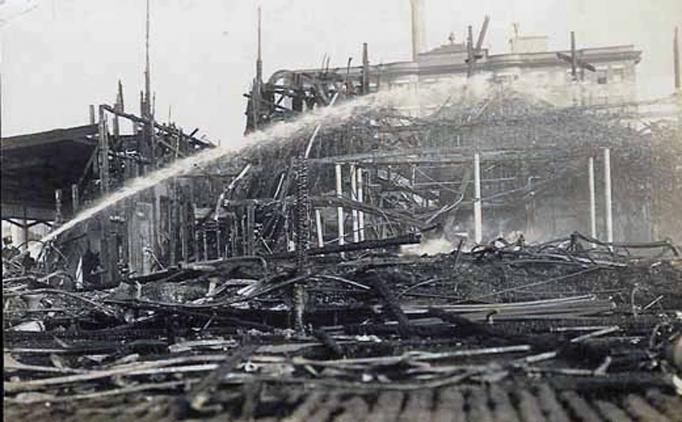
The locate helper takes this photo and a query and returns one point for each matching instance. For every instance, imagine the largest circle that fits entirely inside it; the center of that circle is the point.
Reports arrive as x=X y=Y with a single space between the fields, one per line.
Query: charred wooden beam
x=408 y=239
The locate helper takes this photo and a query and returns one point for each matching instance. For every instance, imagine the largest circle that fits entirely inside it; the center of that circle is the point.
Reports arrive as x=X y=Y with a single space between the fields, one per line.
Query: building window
x=617 y=74
x=601 y=77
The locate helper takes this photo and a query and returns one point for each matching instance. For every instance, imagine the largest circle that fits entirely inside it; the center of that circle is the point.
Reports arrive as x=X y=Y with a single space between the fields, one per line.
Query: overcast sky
x=63 y=55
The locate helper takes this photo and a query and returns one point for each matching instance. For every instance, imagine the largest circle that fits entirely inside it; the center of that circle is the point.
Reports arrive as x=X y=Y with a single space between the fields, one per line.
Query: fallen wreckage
x=241 y=317
x=556 y=331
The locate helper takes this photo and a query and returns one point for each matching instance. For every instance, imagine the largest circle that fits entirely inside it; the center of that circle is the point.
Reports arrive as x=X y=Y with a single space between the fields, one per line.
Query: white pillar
x=318 y=224
x=593 y=202
x=478 y=218
x=339 y=210
x=354 y=197
x=361 y=198
x=607 y=195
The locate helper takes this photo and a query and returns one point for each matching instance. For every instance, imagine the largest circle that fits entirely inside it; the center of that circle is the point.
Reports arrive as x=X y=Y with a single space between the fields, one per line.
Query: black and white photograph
x=341 y=211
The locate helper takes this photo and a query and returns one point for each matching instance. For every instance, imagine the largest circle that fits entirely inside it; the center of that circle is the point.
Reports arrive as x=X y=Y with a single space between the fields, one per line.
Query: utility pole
x=147 y=98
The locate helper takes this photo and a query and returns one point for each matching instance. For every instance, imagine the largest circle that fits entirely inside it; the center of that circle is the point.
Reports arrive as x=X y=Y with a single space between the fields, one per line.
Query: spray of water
x=475 y=87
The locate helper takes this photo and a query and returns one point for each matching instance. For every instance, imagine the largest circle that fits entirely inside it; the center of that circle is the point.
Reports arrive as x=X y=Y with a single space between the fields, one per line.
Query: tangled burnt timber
x=275 y=310
x=292 y=280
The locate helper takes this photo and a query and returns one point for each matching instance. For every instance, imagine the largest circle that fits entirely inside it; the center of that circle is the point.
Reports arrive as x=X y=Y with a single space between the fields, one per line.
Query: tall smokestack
x=365 y=69
x=418 y=30
x=147 y=111
x=259 y=59
x=676 y=60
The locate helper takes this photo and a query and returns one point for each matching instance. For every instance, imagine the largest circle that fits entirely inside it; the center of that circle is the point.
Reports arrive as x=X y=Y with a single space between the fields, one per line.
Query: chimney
x=676 y=60
x=418 y=30
x=259 y=59
x=365 y=69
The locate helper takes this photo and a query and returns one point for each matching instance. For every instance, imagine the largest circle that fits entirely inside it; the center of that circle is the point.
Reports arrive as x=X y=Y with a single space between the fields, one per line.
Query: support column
x=104 y=153
x=204 y=238
x=354 y=197
x=318 y=226
x=593 y=204
x=58 y=206
x=607 y=195
x=172 y=226
x=361 y=198
x=478 y=218
x=75 y=202
x=218 y=244
x=25 y=231
x=184 y=226
x=339 y=210
x=250 y=229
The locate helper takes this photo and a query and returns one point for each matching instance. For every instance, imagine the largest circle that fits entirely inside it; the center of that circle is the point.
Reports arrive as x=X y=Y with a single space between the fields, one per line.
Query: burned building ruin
x=463 y=235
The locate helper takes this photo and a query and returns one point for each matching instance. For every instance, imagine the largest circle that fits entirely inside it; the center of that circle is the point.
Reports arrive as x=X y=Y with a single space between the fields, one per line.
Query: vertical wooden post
x=250 y=229
x=593 y=204
x=478 y=218
x=245 y=238
x=92 y=114
x=172 y=226
x=354 y=197
x=25 y=230
x=218 y=244
x=58 y=206
x=234 y=237
x=204 y=238
x=318 y=226
x=385 y=222
x=339 y=210
x=104 y=152
x=361 y=198
x=115 y=122
x=74 y=198
x=184 y=224
x=106 y=251
x=192 y=221
x=607 y=195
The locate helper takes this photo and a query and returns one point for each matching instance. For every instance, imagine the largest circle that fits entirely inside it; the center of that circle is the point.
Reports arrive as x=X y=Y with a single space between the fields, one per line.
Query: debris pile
x=533 y=329
x=340 y=271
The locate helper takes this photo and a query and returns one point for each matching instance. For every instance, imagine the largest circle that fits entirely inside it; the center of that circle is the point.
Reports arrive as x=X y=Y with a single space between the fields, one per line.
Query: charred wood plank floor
x=514 y=402
x=501 y=333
